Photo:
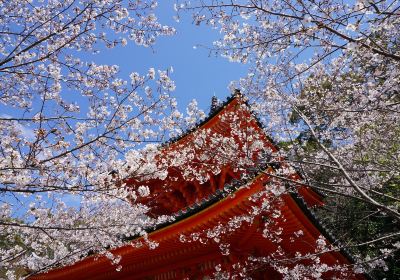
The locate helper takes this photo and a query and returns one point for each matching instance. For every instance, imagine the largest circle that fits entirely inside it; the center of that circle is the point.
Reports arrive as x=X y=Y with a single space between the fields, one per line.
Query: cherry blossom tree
x=324 y=79
x=68 y=123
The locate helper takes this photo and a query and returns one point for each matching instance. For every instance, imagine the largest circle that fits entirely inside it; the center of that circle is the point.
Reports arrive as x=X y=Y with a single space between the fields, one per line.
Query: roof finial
x=236 y=92
x=214 y=104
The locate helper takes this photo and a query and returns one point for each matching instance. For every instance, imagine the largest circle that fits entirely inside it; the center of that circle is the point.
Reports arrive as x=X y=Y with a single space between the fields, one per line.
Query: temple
x=232 y=215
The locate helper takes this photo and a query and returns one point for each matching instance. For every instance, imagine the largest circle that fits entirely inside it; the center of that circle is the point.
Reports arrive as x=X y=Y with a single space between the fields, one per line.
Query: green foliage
x=10 y=242
x=353 y=222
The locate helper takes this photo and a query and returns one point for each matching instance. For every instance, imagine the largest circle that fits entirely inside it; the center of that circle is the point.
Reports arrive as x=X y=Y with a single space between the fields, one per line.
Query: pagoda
x=231 y=214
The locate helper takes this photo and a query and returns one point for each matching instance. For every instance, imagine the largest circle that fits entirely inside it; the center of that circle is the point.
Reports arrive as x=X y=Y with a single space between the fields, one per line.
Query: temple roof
x=234 y=198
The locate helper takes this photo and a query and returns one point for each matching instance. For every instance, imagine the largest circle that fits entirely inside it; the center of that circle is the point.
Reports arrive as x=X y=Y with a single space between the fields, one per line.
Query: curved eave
x=167 y=236
x=167 y=231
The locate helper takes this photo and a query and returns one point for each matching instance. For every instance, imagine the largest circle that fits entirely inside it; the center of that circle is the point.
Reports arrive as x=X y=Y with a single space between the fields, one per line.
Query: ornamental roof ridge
x=200 y=123
x=220 y=107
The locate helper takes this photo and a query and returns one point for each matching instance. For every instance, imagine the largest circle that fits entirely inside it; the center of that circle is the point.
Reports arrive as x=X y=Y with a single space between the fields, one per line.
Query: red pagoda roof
x=226 y=213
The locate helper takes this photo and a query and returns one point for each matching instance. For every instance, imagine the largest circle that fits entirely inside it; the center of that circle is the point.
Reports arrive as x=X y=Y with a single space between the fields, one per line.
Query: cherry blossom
x=324 y=80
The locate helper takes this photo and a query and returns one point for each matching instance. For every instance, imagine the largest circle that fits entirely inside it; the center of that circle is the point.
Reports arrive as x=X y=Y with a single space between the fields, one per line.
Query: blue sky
x=196 y=74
